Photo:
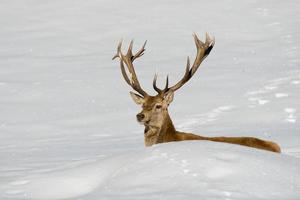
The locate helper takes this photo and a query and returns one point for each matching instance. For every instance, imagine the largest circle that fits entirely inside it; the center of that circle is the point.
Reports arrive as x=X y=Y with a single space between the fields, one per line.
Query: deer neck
x=163 y=133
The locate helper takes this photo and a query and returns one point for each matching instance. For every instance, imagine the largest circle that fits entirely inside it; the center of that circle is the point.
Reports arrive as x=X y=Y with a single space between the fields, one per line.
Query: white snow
x=67 y=122
x=169 y=171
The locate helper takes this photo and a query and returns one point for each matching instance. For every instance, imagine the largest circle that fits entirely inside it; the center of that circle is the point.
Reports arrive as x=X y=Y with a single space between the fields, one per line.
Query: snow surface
x=67 y=123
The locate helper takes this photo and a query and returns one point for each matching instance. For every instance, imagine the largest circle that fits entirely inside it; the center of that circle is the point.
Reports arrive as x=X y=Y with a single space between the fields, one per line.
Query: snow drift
x=183 y=170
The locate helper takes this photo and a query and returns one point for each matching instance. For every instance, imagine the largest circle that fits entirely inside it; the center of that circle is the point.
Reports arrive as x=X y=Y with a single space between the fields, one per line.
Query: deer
x=155 y=117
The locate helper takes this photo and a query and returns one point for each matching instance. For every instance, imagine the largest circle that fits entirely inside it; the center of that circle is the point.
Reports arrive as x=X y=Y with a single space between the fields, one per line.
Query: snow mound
x=185 y=170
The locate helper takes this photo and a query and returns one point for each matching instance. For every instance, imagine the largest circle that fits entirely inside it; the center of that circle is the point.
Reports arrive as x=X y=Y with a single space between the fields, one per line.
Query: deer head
x=155 y=108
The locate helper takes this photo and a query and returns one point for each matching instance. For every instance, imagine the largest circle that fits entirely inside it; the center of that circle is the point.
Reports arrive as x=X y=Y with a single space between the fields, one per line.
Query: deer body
x=168 y=133
x=164 y=131
x=154 y=116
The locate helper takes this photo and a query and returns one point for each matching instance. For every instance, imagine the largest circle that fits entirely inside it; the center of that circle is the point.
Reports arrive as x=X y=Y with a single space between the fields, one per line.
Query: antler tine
x=203 y=49
x=154 y=85
x=167 y=84
x=140 y=52
x=129 y=51
x=128 y=60
x=118 y=50
x=159 y=91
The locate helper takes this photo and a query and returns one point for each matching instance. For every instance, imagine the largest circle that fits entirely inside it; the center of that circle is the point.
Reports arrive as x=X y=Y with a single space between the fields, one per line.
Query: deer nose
x=140 y=116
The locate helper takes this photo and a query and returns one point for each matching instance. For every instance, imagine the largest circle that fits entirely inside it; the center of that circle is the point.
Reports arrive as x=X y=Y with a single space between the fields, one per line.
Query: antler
x=128 y=60
x=203 y=49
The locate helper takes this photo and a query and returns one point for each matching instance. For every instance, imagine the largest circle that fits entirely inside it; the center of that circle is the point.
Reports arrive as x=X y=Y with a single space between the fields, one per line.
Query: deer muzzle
x=140 y=117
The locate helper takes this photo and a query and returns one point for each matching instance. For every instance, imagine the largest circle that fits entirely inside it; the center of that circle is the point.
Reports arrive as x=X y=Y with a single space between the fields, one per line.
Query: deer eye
x=158 y=106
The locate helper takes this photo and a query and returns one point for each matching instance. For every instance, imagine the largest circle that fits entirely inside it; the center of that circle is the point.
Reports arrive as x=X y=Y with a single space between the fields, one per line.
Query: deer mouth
x=143 y=122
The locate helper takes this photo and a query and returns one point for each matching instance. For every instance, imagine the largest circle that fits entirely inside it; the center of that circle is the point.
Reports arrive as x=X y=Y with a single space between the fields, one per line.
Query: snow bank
x=185 y=170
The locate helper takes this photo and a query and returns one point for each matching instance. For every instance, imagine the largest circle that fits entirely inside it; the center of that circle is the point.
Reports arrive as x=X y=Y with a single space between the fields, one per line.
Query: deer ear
x=169 y=97
x=137 y=98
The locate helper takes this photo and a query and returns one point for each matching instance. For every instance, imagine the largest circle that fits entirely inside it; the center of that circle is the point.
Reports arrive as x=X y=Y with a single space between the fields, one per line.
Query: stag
x=154 y=116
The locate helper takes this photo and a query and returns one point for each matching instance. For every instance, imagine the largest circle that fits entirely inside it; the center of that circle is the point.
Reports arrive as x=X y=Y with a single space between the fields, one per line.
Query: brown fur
x=168 y=133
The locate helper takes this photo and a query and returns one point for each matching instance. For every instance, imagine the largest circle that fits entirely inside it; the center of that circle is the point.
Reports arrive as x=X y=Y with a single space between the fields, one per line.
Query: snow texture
x=67 y=122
